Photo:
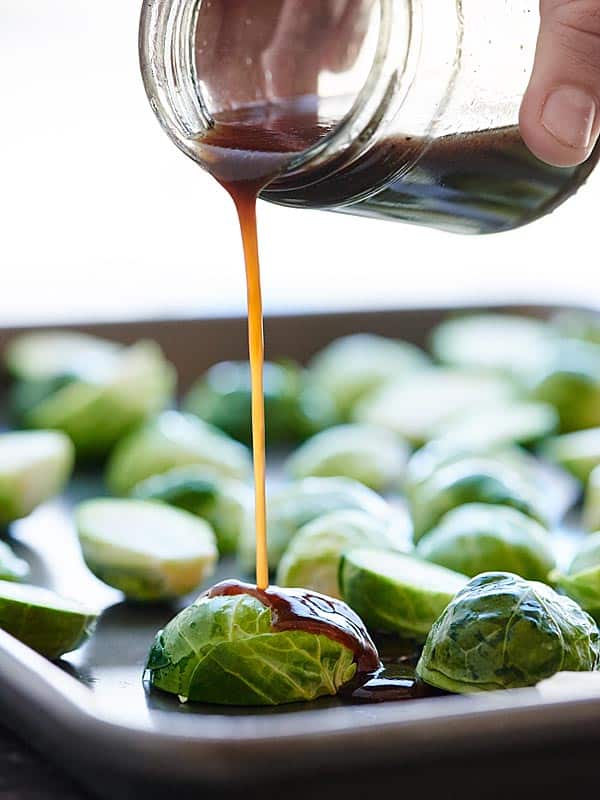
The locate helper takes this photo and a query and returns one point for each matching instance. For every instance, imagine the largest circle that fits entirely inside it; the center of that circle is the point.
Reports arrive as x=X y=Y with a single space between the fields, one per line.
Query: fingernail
x=569 y=115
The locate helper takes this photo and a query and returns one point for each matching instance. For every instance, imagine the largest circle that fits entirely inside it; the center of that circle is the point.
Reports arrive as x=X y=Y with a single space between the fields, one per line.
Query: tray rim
x=236 y=749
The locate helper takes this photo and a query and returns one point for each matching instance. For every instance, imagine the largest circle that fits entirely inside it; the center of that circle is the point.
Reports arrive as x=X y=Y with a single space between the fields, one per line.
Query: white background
x=101 y=216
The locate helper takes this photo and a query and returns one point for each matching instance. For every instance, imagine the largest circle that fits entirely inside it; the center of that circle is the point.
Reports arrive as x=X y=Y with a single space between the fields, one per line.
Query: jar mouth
x=181 y=100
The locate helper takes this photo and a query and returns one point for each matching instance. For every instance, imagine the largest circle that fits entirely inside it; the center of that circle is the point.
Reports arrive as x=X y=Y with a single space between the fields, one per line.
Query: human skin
x=560 y=119
x=560 y=114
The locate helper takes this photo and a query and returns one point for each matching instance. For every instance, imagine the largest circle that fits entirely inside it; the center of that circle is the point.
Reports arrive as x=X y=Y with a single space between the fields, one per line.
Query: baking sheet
x=94 y=716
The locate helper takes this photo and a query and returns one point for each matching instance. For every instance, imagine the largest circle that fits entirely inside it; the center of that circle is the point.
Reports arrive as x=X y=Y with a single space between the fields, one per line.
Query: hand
x=560 y=115
x=283 y=48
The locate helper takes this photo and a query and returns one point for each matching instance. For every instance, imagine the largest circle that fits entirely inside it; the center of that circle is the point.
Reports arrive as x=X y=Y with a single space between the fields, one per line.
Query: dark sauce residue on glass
x=298 y=609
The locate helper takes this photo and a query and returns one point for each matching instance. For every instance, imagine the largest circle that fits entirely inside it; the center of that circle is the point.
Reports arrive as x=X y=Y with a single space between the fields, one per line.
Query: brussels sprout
x=503 y=632
x=417 y=406
x=396 y=593
x=439 y=453
x=579 y=452
x=509 y=344
x=370 y=455
x=294 y=408
x=231 y=649
x=506 y=424
x=579 y=324
x=175 y=440
x=582 y=579
x=300 y=503
x=571 y=383
x=554 y=490
x=591 y=503
x=43 y=355
x=223 y=502
x=98 y=403
x=313 y=557
x=44 y=621
x=479 y=538
x=476 y=480
x=34 y=466
x=12 y=568
x=147 y=550
x=352 y=367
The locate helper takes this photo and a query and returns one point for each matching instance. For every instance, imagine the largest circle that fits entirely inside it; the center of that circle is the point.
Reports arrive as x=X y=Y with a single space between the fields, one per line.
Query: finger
x=349 y=35
x=237 y=33
x=293 y=59
x=208 y=29
x=560 y=115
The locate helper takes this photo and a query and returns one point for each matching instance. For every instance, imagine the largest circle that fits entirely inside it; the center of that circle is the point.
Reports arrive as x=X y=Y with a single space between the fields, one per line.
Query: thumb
x=560 y=115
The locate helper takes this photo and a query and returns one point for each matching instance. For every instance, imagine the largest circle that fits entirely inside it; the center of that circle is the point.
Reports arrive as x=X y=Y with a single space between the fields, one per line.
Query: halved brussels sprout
x=479 y=538
x=571 y=383
x=294 y=407
x=503 y=632
x=12 y=568
x=175 y=440
x=505 y=424
x=506 y=343
x=237 y=645
x=42 y=355
x=96 y=404
x=581 y=581
x=591 y=503
x=417 y=406
x=44 y=621
x=147 y=550
x=302 y=502
x=579 y=452
x=477 y=480
x=365 y=453
x=396 y=593
x=350 y=368
x=34 y=466
x=223 y=502
x=555 y=491
x=313 y=557
x=579 y=324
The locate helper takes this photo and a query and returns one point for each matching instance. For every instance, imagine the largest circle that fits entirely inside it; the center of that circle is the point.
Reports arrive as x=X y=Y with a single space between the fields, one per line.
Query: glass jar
x=421 y=99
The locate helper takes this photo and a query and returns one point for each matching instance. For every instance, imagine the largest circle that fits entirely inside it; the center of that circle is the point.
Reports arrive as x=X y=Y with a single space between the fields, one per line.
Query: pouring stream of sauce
x=245 y=150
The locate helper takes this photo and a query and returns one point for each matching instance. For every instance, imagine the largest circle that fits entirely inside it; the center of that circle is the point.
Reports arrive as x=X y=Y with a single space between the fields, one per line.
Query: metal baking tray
x=91 y=715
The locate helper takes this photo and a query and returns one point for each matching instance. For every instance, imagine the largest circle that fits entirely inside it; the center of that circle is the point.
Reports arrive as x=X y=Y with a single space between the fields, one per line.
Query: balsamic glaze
x=297 y=609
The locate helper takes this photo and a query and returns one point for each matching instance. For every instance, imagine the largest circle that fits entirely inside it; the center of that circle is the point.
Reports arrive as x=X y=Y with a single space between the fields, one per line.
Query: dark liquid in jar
x=478 y=182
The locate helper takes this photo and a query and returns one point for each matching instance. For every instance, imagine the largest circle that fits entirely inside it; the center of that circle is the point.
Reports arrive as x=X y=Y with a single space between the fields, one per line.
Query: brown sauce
x=298 y=609
x=474 y=182
x=480 y=182
x=389 y=687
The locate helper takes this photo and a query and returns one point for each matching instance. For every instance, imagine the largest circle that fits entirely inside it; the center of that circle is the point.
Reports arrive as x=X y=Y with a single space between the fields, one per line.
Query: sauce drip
x=298 y=609
x=388 y=687
x=245 y=150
